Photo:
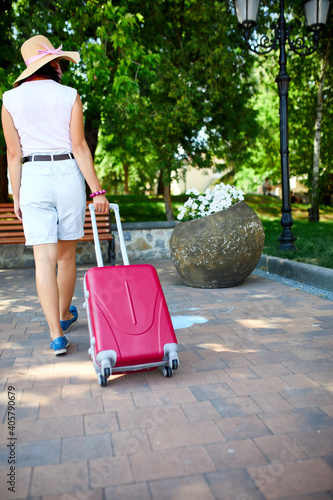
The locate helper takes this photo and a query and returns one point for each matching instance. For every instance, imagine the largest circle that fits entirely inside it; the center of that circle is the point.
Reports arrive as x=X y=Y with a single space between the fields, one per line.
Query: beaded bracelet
x=97 y=193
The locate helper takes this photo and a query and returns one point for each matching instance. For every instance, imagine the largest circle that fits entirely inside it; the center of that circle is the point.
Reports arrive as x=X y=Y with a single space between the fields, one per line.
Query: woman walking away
x=43 y=123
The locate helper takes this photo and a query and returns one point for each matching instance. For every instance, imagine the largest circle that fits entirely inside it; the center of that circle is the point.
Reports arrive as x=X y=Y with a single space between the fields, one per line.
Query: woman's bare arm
x=83 y=156
x=14 y=157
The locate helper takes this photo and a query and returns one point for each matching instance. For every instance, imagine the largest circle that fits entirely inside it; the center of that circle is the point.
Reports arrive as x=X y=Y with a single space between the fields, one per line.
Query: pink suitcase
x=130 y=328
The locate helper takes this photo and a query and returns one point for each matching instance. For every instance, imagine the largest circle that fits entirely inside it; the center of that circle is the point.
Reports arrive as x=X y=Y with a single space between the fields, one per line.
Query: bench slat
x=11 y=229
x=12 y=241
x=7 y=227
x=11 y=233
x=10 y=221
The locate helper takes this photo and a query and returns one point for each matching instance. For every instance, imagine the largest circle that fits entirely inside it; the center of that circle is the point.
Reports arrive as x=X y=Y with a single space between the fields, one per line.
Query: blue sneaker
x=67 y=325
x=59 y=345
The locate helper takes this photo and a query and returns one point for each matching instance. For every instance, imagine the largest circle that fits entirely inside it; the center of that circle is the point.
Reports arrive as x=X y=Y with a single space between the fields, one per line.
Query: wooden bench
x=11 y=229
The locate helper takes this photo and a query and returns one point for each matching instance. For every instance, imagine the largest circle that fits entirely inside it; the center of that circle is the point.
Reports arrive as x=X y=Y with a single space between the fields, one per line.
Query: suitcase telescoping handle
x=99 y=258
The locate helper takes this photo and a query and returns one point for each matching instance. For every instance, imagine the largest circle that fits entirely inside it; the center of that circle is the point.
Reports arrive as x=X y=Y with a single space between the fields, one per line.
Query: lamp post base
x=287 y=242
x=287 y=238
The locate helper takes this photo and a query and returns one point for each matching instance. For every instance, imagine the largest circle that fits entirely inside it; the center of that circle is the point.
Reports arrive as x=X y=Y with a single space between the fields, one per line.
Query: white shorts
x=52 y=201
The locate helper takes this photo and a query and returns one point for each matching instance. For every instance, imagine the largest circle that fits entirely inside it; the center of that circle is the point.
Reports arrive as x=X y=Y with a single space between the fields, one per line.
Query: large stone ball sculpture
x=219 y=250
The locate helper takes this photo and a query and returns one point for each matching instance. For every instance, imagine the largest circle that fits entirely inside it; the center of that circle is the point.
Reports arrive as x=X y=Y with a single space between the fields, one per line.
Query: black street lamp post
x=316 y=12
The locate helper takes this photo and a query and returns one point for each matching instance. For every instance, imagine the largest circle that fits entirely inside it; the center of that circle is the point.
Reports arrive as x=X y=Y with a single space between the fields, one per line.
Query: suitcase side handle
x=98 y=252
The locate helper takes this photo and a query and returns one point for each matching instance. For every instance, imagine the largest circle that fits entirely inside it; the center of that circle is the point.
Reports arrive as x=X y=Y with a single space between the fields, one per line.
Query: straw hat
x=38 y=51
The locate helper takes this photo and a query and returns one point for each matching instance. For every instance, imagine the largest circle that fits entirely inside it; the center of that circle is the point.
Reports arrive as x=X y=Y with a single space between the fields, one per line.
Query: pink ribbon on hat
x=42 y=53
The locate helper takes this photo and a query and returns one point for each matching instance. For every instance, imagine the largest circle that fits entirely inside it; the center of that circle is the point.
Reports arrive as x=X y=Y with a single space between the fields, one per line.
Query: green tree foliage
x=264 y=157
x=166 y=82
x=7 y=55
x=305 y=74
x=304 y=110
x=152 y=77
x=194 y=86
x=124 y=165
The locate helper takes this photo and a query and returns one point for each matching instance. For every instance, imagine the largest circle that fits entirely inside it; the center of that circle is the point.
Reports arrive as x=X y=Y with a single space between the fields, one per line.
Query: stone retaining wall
x=144 y=241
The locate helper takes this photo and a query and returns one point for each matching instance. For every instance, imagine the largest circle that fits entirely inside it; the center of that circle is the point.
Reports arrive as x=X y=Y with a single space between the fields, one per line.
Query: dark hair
x=46 y=70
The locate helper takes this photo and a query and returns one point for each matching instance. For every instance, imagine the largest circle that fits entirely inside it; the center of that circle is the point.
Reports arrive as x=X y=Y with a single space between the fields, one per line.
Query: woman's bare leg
x=46 y=257
x=66 y=277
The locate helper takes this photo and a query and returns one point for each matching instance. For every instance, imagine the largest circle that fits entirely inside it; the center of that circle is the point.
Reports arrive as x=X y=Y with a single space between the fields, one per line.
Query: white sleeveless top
x=41 y=112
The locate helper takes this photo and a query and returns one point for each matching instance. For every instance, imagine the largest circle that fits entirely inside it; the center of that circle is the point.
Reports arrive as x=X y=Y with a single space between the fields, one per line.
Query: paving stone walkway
x=247 y=416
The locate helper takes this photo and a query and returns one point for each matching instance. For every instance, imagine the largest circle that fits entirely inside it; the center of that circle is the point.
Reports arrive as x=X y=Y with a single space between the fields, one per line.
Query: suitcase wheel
x=175 y=364
x=106 y=368
x=167 y=371
x=103 y=381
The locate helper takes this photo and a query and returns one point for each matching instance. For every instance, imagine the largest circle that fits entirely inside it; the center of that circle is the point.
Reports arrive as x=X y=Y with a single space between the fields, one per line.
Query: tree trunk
x=167 y=200
x=126 y=171
x=115 y=184
x=91 y=126
x=160 y=183
x=4 y=198
x=314 y=210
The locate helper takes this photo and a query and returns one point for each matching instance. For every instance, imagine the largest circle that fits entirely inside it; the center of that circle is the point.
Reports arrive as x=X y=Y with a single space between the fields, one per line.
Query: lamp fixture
x=316 y=12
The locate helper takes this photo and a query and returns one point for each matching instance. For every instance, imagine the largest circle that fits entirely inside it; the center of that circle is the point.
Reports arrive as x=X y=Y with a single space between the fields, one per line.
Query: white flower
x=192 y=191
x=211 y=201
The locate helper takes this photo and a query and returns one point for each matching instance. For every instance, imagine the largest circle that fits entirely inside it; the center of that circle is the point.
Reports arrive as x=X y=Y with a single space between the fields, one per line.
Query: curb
x=320 y=277
x=145 y=225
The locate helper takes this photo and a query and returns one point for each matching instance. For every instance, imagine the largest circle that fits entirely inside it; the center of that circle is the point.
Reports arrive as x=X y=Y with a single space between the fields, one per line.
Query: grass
x=139 y=208
x=314 y=240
